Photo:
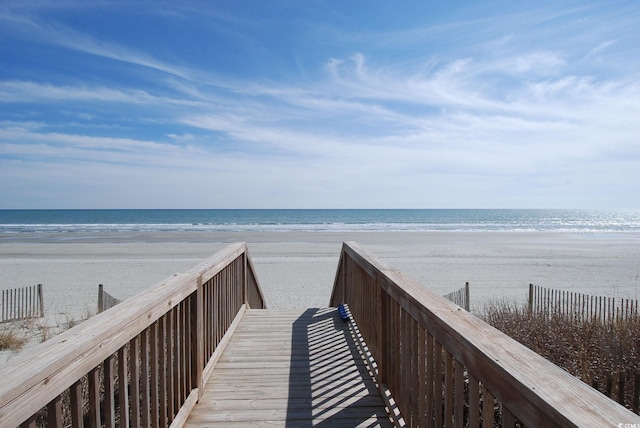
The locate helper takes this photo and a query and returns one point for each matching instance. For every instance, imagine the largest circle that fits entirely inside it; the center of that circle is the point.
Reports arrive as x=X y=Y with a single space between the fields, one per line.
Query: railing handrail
x=34 y=378
x=534 y=390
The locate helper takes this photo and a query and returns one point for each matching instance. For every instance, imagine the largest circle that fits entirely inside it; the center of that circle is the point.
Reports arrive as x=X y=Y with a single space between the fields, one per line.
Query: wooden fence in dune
x=580 y=307
x=105 y=300
x=460 y=297
x=22 y=303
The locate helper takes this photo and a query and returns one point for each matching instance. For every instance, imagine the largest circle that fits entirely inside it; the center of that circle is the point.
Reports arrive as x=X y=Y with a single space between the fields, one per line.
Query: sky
x=319 y=104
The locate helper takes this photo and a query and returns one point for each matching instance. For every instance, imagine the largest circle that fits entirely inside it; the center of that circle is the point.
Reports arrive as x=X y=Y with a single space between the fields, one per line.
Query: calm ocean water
x=329 y=220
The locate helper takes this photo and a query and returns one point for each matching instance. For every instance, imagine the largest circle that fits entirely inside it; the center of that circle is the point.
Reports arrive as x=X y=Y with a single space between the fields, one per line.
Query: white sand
x=297 y=269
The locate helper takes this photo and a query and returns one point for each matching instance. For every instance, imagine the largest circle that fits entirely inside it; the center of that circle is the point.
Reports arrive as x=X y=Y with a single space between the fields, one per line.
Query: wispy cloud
x=413 y=113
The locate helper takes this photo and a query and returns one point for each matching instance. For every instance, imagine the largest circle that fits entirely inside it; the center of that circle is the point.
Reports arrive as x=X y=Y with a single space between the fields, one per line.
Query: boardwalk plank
x=290 y=368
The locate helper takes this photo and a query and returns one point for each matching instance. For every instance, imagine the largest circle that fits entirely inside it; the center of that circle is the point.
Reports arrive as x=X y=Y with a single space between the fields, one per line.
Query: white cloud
x=429 y=127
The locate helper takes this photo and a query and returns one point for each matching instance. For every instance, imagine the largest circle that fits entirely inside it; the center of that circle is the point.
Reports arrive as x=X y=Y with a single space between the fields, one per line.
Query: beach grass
x=605 y=355
x=11 y=339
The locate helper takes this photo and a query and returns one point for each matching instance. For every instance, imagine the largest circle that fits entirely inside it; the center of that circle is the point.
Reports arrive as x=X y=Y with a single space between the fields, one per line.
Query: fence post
x=41 y=299
x=530 y=299
x=467 y=300
x=100 y=298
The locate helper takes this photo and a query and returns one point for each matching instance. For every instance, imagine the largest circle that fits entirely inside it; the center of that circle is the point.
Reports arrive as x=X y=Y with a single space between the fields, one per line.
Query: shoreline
x=319 y=236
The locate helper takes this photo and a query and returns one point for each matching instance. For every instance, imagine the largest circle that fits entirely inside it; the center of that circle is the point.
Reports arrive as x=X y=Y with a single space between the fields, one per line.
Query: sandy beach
x=297 y=269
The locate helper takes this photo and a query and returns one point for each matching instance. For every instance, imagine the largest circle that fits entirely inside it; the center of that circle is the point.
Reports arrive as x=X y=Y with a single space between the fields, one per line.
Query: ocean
x=319 y=220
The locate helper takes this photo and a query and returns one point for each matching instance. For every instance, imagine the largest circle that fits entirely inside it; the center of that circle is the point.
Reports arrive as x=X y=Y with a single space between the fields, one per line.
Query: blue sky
x=319 y=104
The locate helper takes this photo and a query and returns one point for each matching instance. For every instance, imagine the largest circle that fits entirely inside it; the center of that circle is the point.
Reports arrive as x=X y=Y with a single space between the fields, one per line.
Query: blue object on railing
x=343 y=313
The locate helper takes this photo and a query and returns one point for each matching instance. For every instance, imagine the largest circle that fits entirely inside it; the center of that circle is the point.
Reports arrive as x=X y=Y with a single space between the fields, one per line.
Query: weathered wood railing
x=21 y=303
x=141 y=363
x=445 y=367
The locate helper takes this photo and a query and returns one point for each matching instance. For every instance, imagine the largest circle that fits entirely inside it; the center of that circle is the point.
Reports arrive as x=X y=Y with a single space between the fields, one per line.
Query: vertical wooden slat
x=123 y=390
x=403 y=357
x=398 y=373
x=109 y=401
x=198 y=335
x=245 y=297
x=422 y=378
x=458 y=402
x=145 y=375
x=508 y=420
x=448 y=390
x=216 y=313
x=412 y=363
x=94 y=398
x=430 y=382
x=175 y=362
x=162 y=370
x=186 y=347
x=21 y=303
x=488 y=402
x=134 y=371
x=207 y=323
x=474 y=402
x=175 y=378
x=27 y=302
x=438 y=390
x=75 y=395
x=382 y=331
x=54 y=412
x=155 y=367
x=170 y=368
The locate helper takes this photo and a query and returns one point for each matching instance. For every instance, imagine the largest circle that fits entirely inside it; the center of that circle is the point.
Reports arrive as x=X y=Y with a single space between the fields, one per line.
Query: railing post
x=245 y=279
x=197 y=338
x=345 y=263
x=381 y=359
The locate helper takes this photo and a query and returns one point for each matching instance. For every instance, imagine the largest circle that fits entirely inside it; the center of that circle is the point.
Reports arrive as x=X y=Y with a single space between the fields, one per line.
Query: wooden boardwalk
x=290 y=368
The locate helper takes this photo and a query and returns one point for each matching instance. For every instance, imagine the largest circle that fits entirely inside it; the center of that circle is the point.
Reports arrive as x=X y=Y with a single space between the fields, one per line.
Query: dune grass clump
x=605 y=355
x=10 y=339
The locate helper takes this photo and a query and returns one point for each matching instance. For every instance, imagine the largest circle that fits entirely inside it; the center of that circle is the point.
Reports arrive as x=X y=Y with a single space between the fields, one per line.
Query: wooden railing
x=141 y=363
x=445 y=367
x=21 y=303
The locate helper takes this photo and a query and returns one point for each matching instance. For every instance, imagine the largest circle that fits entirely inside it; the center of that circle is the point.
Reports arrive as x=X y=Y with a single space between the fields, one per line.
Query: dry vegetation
x=605 y=355
x=15 y=335
x=11 y=339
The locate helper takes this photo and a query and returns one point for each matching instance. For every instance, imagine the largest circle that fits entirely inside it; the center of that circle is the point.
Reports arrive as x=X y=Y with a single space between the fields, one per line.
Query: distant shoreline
x=275 y=236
